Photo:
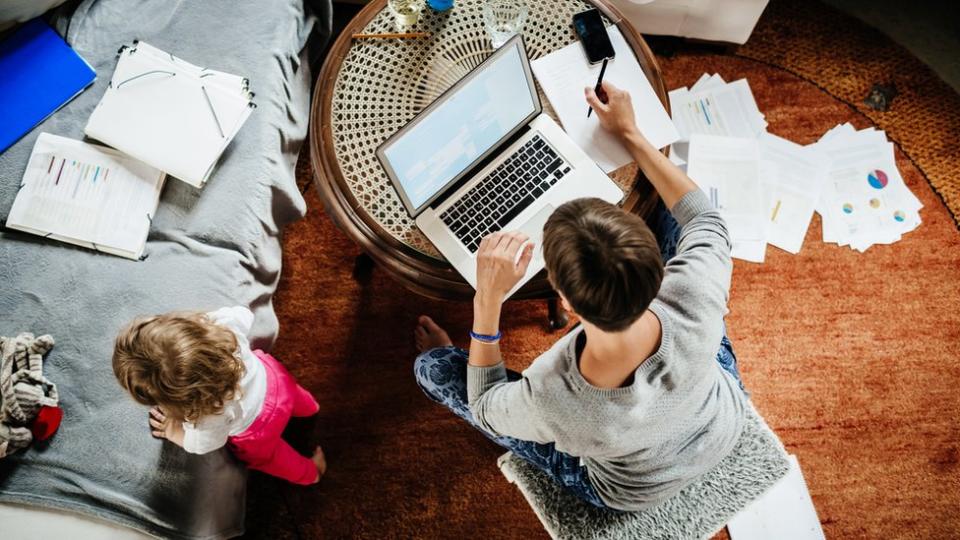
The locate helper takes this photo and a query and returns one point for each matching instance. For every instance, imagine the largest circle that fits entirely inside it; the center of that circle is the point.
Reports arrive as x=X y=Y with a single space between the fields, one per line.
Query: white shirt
x=210 y=432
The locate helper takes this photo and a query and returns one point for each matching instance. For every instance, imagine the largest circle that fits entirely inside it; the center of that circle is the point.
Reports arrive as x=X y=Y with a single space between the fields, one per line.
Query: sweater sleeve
x=696 y=283
x=504 y=408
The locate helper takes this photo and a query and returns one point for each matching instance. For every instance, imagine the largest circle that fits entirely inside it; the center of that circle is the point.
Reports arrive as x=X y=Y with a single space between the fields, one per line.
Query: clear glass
x=406 y=12
x=503 y=19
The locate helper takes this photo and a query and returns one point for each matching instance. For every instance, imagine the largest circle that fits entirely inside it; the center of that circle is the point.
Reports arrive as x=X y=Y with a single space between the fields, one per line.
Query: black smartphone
x=593 y=35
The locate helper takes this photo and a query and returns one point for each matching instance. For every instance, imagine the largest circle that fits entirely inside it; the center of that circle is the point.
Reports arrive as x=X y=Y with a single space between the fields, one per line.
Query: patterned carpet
x=853 y=359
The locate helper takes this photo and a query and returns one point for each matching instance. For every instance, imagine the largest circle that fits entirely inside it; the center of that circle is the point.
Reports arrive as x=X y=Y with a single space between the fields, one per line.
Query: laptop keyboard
x=505 y=192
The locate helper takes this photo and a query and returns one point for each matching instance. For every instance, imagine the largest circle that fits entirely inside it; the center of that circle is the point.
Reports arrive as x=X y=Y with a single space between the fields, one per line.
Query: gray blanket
x=207 y=248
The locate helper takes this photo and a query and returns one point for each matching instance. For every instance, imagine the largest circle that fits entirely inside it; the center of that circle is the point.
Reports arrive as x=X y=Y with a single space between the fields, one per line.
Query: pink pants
x=261 y=446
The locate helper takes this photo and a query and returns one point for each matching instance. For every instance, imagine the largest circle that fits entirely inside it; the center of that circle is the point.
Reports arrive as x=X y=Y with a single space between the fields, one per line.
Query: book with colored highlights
x=39 y=73
x=169 y=113
x=87 y=195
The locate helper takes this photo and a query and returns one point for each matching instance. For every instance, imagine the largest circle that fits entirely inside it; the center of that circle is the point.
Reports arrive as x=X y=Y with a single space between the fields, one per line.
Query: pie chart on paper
x=878 y=179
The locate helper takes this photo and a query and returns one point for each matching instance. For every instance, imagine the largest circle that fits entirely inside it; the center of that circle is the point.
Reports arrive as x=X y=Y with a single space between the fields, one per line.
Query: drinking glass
x=503 y=19
x=406 y=12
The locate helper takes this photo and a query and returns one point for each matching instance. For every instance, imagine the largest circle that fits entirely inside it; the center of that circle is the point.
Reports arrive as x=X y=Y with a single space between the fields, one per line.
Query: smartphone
x=593 y=35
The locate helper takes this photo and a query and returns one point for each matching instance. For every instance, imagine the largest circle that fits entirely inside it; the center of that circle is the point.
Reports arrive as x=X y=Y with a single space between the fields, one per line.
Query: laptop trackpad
x=534 y=229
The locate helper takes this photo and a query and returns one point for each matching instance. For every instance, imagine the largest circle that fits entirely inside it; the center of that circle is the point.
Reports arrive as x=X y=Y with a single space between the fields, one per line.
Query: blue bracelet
x=483 y=338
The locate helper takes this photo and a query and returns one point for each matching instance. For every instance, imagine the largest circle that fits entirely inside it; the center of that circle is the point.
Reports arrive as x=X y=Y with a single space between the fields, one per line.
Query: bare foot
x=320 y=461
x=429 y=336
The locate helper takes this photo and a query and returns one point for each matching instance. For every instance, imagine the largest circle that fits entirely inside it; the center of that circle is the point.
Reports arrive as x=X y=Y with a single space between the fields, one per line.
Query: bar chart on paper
x=87 y=195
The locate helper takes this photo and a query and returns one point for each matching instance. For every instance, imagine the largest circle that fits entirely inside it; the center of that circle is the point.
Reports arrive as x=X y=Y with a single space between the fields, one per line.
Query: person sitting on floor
x=209 y=390
x=645 y=397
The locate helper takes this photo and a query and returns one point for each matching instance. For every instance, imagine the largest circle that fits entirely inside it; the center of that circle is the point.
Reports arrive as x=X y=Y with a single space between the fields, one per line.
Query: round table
x=368 y=89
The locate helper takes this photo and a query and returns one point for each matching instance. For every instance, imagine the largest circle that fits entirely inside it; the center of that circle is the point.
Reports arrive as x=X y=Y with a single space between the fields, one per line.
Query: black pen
x=599 y=88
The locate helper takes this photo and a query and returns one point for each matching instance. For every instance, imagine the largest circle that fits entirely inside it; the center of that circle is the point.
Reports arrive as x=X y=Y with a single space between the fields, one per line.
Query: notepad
x=563 y=74
x=39 y=73
x=87 y=195
x=169 y=113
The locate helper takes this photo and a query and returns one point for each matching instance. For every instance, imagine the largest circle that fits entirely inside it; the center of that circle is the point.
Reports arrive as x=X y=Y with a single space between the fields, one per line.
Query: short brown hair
x=183 y=362
x=605 y=261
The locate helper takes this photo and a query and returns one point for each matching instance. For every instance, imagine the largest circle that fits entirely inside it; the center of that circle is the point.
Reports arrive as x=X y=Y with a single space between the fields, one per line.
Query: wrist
x=486 y=316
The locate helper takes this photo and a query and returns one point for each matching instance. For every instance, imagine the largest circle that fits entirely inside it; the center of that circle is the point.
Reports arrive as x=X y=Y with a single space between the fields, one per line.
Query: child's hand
x=162 y=427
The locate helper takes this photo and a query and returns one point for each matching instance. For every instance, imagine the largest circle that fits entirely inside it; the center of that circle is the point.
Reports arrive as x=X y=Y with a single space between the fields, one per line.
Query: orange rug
x=854 y=359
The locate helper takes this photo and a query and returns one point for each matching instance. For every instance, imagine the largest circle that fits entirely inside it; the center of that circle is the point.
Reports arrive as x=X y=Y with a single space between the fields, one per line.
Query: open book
x=87 y=195
x=169 y=113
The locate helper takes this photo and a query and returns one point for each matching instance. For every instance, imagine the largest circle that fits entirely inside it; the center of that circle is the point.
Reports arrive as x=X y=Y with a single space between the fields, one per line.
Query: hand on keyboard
x=498 y=268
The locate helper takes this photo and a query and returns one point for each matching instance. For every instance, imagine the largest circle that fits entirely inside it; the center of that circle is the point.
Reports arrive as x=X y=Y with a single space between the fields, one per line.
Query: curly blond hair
x=183 y=362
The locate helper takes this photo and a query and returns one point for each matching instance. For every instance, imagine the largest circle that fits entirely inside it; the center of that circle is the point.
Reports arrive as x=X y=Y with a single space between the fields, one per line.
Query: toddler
x=209 y=390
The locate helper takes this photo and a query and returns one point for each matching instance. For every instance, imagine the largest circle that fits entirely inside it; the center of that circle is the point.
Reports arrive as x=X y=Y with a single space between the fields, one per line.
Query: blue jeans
x=442 y=374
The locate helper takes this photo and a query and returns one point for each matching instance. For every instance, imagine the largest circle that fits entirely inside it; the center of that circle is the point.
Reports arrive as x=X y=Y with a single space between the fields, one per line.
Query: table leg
x=556 y=314
x=363 y=267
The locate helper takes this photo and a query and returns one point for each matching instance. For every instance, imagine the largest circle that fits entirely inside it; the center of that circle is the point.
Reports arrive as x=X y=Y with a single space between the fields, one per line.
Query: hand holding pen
x=598 y=89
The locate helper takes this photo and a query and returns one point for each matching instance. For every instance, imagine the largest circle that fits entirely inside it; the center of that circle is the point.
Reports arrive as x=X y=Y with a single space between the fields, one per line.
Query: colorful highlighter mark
x=877 y=179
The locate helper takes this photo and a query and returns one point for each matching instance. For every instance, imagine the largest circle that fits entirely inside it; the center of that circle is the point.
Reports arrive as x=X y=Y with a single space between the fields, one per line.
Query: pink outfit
x=260 y=445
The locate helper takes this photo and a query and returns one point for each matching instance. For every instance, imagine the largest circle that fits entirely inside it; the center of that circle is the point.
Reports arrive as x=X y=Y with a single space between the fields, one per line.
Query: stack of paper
x=714 y=107
x=87 y=195
x=169 y=113
x=848 y=176
x=564 y=73
x=865 y=201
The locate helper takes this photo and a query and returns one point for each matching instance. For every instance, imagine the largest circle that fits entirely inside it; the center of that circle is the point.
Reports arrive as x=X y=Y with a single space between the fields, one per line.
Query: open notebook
x=169 y=113
x=87 y=195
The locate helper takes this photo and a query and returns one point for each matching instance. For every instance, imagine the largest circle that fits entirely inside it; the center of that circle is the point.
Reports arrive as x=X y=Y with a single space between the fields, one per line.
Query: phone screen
x=593 y=35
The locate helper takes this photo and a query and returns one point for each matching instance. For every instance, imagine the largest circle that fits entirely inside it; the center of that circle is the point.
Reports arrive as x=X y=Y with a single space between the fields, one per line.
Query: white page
x=87 y=194
x=728 y=110
x=167 y=119
x=798 y=175
x=727 y=169
x=866 y=198
x=785 y=512
x=563 y=74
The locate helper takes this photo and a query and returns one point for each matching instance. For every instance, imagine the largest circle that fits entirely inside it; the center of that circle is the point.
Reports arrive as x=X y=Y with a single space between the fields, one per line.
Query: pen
x=599 y=88
x=410 y=35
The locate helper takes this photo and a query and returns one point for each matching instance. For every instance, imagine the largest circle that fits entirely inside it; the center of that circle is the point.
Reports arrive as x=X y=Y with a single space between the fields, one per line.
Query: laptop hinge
x=479 y=167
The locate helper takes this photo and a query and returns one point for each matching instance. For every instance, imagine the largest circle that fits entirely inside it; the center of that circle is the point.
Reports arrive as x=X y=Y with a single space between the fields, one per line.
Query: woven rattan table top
x=382 y=84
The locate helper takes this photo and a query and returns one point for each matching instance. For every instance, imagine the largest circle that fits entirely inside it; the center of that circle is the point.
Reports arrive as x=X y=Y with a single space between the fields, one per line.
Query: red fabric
x=261 y=446
x=46 y=423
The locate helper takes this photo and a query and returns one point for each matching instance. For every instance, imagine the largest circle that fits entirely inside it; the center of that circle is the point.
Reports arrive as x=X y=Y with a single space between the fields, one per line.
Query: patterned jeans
x=442 y=374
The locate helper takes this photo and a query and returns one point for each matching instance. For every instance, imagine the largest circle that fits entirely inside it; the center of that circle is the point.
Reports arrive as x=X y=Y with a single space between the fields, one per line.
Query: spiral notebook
x=169 y=113
x=87 y=195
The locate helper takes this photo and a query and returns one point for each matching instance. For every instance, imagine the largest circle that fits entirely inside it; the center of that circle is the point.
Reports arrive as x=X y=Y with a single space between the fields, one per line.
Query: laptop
x=484 y=158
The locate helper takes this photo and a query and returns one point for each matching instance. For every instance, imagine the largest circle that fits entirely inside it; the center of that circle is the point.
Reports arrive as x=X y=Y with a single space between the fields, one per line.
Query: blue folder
x=39 y=73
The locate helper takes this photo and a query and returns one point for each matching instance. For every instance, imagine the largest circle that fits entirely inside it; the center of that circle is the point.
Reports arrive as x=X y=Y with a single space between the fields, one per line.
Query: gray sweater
x=682 y=413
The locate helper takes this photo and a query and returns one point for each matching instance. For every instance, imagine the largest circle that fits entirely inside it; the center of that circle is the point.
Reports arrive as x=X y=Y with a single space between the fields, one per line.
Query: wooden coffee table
x=368 y=89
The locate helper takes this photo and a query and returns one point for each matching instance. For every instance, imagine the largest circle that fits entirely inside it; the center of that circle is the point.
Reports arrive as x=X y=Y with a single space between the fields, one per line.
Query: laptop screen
x=462 y=127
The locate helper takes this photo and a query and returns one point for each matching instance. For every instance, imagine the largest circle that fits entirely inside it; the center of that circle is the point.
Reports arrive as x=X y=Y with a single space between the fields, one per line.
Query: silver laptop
x=483 y=157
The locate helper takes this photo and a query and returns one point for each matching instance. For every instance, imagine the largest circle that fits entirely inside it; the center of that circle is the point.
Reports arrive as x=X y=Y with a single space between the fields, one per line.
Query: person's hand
x=162 y=427
x=616 y=115
x=498 y=268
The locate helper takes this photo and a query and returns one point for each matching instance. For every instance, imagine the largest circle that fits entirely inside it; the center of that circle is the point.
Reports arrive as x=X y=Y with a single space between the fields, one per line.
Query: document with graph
x=87 y=195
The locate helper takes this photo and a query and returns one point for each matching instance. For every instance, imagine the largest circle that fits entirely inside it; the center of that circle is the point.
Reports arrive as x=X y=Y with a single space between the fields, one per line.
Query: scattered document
x=87 y=195
x=563 y=74
x=727 y=169
x=864 y=200
x=170 y=114
x=785 y=512
x=849 y=177
x=792 y=186
x=714 y=107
